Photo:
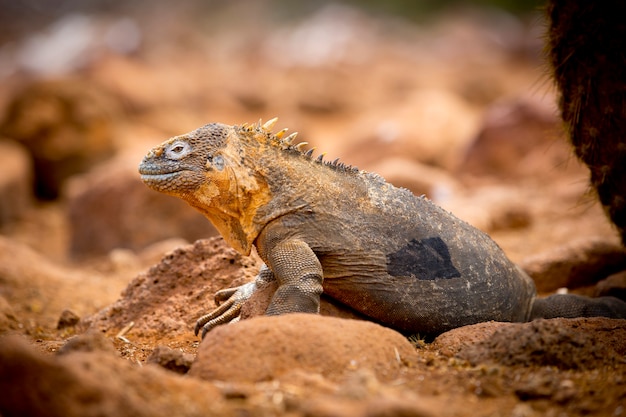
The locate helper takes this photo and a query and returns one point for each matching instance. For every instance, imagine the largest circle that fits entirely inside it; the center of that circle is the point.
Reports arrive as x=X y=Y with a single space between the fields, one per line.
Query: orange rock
x=265 y=348
x=583 y=262
x=67 y=126
x=16 y=175
x=129 y=215
x=582 y=343
x=517 y=139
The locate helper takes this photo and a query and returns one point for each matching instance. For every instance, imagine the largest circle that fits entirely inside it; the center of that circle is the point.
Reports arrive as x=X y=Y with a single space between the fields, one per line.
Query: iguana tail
x=572 y=305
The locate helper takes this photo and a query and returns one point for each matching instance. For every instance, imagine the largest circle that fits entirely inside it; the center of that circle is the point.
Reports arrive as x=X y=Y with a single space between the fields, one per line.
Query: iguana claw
x=228 y=312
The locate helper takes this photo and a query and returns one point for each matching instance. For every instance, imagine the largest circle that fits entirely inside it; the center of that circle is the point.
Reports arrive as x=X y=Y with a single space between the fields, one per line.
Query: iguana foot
x=228 y=312
x=232 y=299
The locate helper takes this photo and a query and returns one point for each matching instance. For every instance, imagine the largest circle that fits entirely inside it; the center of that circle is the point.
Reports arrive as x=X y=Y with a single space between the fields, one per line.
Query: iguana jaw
x=163 y=181
x=163 y=169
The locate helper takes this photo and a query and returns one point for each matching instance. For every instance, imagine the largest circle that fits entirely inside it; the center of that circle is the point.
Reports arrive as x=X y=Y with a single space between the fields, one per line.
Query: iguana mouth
x=152 y=176
x=164 y=171
x=166 y=178
x=156 y=174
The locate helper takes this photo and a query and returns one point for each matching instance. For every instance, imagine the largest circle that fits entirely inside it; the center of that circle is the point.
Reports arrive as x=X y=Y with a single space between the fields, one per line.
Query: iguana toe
x=218 y=317
x=223 y=295
x=229 y=301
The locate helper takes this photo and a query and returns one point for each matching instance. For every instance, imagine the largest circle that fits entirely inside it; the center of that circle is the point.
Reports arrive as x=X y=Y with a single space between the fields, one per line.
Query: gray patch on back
x=426 y=259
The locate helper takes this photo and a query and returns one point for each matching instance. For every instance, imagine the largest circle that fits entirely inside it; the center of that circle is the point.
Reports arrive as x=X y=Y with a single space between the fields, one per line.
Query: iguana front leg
x=230 y=301
x=299 y=275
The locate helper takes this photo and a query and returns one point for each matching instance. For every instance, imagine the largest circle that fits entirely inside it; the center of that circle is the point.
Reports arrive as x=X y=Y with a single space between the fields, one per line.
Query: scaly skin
x=326 y=227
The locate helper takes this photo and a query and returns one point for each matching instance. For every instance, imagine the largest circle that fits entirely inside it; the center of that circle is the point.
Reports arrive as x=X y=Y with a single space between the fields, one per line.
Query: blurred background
x=451 y=99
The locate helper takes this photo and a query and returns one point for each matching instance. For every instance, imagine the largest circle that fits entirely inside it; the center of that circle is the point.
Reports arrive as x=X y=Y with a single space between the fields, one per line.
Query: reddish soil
x=100 y=286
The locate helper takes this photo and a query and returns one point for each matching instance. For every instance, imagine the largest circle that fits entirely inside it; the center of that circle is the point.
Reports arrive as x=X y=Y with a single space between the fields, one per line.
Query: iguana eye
x=178 y=150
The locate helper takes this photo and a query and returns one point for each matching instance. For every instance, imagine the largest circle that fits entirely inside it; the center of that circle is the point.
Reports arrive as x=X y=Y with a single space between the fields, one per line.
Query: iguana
x=327 y=227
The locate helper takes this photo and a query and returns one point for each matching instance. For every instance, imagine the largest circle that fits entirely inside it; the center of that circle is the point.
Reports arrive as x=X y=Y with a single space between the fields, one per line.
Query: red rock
x=68 y=319
x=88 y=342
x=614 y=285
x=265 y=348
x=419 y=178
x=580 y=263
x=129 y=215
x=171 y=359
x=580 y=344
x=173 y=294
x=517 y=139
x=67 y=126
x=16 y=176
x=432 y=127
x=8 y=320
x=95 y=384
x=452 y=342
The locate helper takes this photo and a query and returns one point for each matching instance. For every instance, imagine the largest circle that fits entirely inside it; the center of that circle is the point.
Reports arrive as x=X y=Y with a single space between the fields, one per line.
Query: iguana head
x=210 y=169
x=239 y=177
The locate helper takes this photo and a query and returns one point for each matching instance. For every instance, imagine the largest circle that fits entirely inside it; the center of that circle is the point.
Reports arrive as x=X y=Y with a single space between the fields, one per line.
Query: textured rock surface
x=94 y=383
x=583 y=343
x=263 y=348
x=452 y=342
x=170 y=296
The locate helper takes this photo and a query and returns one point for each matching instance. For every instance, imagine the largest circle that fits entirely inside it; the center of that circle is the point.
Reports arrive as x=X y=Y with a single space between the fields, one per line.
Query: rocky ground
x=101 y=279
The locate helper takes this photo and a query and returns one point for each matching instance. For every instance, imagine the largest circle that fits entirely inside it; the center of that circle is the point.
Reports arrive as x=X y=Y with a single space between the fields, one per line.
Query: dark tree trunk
x=587 y=49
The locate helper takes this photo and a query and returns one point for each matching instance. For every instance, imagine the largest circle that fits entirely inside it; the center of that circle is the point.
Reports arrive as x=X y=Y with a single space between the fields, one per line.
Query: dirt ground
x=101 y=279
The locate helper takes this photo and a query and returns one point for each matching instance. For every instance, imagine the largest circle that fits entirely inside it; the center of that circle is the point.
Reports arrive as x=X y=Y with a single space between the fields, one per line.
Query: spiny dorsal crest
x=285 y=143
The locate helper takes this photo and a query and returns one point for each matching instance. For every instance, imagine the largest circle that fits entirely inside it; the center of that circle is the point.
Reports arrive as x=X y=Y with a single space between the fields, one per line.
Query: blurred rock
x=453 y=341
x=614 y=286
x=75 y=41
x=68 y=319
x=111 y=208
x=265 y=348
x=579 y=344
x=430 y=126
x=511 y=217
x=583 y=262
x=489 y=208
x=518 y=138
x=171 y=359
x=334 y=35
x=419 y=178
x=95 y=383
x=62 y=47
x=88 y=342
x=8 y=319
x=67 y=126
x=16 y=175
